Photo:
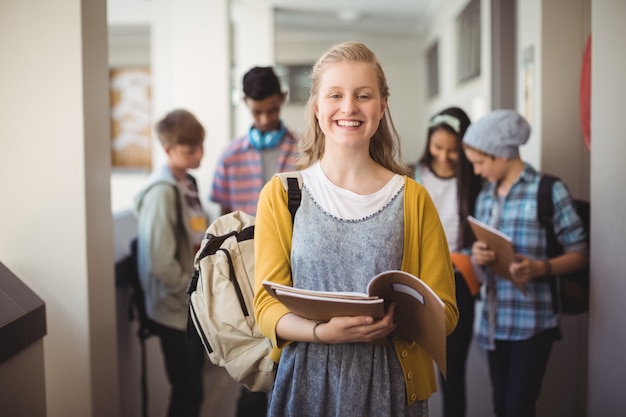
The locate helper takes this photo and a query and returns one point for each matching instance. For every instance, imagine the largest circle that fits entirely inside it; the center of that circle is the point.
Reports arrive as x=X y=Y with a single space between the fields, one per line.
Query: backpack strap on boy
x=570 y=292
x=545 y=212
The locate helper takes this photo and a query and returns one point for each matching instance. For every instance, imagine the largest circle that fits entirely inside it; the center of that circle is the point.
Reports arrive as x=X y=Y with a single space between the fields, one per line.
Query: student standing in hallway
x=360 y=215
x=450 y=180
x=171 y=223
x=267 y=148
x=247 y=164
x=518 y=329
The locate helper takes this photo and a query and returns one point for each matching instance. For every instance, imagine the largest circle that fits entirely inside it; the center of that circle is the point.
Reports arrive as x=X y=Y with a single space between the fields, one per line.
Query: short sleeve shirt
x=239 y=176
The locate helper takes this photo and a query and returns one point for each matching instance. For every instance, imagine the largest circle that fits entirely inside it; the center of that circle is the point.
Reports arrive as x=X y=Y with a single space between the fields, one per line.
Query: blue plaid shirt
x=507 y=313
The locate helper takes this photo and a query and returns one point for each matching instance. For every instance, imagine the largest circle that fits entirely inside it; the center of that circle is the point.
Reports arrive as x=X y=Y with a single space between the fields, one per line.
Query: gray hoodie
x=164 y=250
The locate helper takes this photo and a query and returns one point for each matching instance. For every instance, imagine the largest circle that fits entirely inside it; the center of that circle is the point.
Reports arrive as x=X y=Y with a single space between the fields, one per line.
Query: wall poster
x=130 y=91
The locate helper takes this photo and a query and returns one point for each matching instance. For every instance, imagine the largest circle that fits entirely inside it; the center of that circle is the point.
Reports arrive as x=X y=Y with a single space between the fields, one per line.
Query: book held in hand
x=419 y=313
x=500 y=243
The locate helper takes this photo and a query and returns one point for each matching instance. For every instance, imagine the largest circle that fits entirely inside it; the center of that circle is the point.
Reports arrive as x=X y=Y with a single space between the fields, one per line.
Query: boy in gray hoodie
x=171 y=223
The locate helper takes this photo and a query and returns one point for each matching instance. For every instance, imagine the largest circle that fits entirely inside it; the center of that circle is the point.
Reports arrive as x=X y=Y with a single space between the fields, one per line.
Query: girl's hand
x=348 y=329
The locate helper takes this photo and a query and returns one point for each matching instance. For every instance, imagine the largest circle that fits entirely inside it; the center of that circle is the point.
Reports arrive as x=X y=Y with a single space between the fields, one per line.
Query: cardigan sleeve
x=272 y=257
x=426 y=255
x=426 y=252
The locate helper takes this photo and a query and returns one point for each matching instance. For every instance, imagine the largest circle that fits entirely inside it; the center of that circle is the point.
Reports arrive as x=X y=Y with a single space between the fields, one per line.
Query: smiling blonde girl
x=359 y=215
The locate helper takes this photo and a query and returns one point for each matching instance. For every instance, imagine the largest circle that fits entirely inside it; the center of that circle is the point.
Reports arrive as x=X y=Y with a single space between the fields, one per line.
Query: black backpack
x=570 y=292
x=137 y=311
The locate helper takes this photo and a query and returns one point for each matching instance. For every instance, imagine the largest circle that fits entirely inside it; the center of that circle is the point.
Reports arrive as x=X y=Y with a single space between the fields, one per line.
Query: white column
x=254 y=44
x=54 y=178
x=190 y=41
x=607 y=329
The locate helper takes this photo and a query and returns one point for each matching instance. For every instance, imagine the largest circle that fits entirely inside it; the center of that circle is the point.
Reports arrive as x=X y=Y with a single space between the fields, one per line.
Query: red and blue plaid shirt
x=239 y=175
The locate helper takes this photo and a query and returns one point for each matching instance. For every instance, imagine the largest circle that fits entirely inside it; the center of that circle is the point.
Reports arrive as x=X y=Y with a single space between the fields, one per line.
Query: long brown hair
x=468 y=183
x=385 y=143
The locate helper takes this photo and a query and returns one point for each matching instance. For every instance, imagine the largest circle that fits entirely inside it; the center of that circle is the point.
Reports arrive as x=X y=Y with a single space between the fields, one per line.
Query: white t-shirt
x=345 y=204
x=443 y=191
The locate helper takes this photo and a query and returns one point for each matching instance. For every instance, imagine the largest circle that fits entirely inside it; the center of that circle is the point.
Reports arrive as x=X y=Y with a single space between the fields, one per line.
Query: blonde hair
x=384 y=144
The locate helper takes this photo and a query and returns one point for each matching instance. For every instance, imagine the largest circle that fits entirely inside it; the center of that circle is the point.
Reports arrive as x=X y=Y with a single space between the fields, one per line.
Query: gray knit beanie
x=500 y=133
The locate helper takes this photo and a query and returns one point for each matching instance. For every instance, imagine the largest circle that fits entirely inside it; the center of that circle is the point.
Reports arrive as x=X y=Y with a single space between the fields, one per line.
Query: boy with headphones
x=267 y=148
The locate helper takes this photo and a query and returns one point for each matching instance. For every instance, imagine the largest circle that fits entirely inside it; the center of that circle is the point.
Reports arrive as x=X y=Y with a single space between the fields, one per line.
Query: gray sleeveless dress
x=354 y=379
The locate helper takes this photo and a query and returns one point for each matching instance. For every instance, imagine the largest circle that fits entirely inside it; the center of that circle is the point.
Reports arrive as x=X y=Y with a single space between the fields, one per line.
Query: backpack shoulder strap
x=179 y=209
x=545 y=207
x=284 y=176
x=292 y=182
x=545 y=210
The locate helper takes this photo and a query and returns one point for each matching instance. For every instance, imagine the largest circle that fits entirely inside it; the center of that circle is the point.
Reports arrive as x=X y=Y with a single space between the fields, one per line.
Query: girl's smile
x=350 y=106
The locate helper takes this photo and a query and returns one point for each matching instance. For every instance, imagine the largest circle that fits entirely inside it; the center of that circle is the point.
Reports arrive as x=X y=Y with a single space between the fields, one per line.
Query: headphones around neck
x=266 y=140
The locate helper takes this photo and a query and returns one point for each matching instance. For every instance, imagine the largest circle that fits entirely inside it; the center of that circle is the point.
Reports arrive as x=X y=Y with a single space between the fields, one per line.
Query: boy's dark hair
x=260 y=83
x=180 y=127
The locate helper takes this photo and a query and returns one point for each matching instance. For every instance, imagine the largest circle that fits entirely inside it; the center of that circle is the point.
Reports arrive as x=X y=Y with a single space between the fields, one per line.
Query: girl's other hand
x=349 y=329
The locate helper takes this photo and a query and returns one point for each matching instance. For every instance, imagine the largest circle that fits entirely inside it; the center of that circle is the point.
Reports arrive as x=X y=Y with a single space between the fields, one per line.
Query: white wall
x=55 y=218
x=128 y=46
x=529 y=85
x=190 y=54
x=564 y=32
x=253 y=40
x=607 y=335
x=473 y=96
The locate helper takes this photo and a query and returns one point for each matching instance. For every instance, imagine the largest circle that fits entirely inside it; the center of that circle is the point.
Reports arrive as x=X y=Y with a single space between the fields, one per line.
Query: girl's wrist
x=316 y=338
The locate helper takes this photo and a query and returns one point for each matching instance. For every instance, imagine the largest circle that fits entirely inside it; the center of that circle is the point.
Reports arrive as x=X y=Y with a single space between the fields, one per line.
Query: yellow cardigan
x=426 y=255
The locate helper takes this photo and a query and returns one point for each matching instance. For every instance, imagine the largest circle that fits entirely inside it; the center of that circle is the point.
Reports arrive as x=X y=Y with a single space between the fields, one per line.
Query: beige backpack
x=222 y=292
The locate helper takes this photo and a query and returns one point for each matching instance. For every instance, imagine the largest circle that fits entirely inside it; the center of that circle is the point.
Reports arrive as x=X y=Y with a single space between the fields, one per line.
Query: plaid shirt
x=507 y=313
x=239 y=175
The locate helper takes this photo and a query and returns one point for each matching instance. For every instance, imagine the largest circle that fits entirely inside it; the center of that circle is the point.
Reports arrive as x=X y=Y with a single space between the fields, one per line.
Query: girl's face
x=444 y=148
x=349 y=106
